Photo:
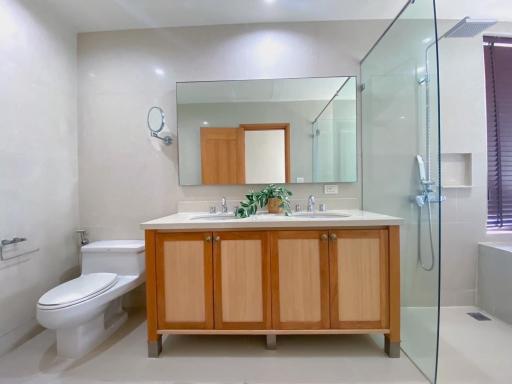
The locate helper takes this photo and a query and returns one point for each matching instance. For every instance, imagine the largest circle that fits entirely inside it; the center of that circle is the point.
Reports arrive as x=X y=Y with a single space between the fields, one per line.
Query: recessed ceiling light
x=159 y=71
x=270 y=1
x=205 y=123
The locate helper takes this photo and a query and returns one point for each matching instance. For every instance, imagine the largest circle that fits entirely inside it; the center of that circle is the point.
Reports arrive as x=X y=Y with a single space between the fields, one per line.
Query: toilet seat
x=77 y=290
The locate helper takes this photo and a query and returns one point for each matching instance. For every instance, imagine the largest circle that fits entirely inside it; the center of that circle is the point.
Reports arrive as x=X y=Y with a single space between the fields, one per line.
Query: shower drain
x=479 y=316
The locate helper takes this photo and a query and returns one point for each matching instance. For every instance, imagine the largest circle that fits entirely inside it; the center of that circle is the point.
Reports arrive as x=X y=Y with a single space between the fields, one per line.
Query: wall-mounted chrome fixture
x=156 y=122
x=6 y=242
x=84 y=240
x=14 y=240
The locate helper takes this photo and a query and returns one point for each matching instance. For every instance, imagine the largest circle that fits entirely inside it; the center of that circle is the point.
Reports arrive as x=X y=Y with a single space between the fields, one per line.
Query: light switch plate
x=330 y=189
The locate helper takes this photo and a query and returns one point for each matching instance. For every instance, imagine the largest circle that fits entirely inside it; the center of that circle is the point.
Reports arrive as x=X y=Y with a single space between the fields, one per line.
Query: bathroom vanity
x=325 y=273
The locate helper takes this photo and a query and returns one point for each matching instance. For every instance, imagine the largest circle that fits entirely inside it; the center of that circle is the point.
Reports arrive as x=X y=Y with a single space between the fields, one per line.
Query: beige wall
x=38 y=160
x=125 y=176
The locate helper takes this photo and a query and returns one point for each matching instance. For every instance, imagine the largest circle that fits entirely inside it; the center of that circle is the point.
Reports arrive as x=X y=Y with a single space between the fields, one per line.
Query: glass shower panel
x=335 y=138
x=334 y=150
x=400 y=142
x=323 y=150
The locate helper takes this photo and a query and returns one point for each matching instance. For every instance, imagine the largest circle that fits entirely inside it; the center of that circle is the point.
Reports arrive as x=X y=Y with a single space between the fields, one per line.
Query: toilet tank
x=124 y=257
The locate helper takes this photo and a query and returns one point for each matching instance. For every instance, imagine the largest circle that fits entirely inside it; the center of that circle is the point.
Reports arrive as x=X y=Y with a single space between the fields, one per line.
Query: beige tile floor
x=470 y=352
x=210 y=359
x=473 y=352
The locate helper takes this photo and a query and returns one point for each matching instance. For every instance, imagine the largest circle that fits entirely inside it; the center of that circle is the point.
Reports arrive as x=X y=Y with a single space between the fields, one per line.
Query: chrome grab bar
x=14 y=240
x=5 y=242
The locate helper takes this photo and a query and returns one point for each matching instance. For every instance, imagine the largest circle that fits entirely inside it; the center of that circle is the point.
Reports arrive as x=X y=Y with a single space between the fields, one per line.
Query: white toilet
x=87 y=310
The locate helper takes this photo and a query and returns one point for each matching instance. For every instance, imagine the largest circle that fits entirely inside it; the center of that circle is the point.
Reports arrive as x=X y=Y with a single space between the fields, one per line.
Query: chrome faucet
x=223 y=205
x=311 y=203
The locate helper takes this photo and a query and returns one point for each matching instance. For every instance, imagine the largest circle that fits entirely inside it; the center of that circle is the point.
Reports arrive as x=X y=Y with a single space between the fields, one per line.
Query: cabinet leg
x=155 y=347
x=392 y=340
x=271 y=342
x=392 y=348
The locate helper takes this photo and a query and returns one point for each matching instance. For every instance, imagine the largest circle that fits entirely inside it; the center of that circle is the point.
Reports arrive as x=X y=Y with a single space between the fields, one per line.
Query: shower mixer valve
x=428 y=196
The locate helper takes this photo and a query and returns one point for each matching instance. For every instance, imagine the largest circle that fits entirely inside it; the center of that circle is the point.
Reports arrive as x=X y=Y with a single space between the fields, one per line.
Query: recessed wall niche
x=456 y=170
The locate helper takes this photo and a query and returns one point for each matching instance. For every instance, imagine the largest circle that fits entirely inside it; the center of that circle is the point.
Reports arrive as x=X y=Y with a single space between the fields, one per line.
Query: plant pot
x=273 y=205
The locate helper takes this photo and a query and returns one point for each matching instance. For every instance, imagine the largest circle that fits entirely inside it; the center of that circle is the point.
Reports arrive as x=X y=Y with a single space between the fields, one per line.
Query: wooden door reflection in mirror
x=249 y=154
x=222 y=156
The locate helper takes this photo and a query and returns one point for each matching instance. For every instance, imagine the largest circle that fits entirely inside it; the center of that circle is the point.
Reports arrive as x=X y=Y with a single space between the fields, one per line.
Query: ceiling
x=277 y=90
x=104 y=15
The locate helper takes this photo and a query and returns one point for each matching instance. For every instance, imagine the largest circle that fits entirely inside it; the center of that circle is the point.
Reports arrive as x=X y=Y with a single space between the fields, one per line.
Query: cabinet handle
x=323 y=236
x=208 y=239
x=217 y=238
x=333 y=236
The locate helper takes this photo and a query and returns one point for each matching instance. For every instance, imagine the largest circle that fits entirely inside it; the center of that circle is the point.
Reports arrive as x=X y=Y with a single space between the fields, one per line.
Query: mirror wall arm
x=155 y=130
x=166 y=139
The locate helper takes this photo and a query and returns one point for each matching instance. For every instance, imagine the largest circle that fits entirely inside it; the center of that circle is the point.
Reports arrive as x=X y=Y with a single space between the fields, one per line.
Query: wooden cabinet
x=184 y=280
x=300 y=280
x=274 y=282
x=359 y=279
x=242 y=280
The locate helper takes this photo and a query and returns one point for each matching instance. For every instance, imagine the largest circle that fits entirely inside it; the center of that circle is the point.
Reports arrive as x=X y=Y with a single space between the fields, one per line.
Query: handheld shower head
x=469 y=27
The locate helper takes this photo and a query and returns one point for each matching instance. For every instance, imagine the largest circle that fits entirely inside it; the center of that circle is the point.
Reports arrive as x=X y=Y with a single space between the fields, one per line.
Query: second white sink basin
x=214 y=217
x=320 y=215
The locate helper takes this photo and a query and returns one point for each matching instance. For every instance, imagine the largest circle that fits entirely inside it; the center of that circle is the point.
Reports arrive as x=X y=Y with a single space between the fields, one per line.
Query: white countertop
x=262 y=220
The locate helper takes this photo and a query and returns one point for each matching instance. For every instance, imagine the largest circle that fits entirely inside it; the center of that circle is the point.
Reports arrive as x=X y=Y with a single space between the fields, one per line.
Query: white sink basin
x=263 y=215
x=320 y=215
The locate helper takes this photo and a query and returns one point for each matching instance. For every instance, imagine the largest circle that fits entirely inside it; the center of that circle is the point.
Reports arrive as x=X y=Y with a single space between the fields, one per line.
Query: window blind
x=498 y=77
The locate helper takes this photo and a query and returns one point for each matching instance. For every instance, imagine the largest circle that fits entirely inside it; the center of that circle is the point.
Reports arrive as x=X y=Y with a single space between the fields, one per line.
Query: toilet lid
x=79 y=289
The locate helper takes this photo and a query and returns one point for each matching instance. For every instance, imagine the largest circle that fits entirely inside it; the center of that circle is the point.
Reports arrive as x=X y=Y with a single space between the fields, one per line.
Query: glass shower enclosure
x=401 y=165
x=334 y=134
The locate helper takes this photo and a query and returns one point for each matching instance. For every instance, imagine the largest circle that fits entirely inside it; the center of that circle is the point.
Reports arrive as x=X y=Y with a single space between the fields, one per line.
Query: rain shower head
x=468 y=27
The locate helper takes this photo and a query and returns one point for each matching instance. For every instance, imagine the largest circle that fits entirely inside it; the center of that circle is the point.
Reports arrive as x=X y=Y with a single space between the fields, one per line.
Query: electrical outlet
x=331 y=189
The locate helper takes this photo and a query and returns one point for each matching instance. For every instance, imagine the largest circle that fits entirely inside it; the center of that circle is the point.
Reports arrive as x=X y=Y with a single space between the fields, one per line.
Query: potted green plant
x=276 y=198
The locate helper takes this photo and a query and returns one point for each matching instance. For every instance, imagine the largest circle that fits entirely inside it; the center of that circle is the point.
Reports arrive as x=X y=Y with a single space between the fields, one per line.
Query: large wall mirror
x=267 y=131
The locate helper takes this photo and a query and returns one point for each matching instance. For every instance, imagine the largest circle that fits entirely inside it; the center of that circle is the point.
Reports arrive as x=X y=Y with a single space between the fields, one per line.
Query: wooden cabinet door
x=242 y=280
x=359 y=279
x=184 y=280
x=222 y=156
x=300 y=279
